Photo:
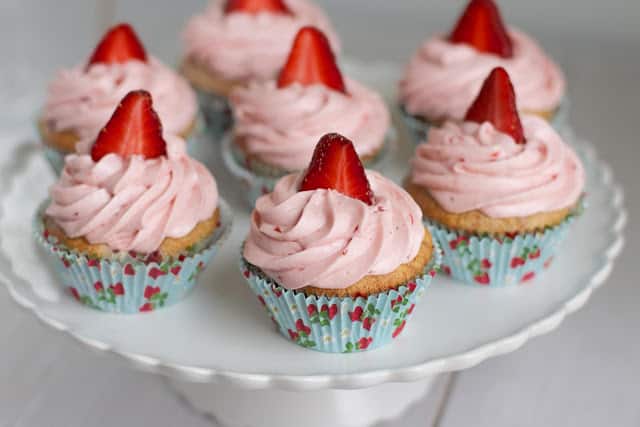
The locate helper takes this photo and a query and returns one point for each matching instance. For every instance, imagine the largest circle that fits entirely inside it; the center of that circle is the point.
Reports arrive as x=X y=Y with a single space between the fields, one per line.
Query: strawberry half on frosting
x=311 y=61
x=481 y=26
x=496 y=103
x=336 y=166
x=119 y=45
x=256 y=6
x=133 y=129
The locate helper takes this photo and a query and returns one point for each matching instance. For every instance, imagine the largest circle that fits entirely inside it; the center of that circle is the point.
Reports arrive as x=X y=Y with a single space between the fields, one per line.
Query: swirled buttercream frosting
x=470 y=166
x=281 y=126
x=244 y=46
x=443 y=78
x=325 y=239
x=132 y=203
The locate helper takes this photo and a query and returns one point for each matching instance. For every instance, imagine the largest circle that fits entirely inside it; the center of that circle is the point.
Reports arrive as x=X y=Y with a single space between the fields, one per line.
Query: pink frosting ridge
x=242 y=46
x=83 y=101
x=471 y=166
x=443 y=79
x=326 y=239
x=282 y=126
x=134 y=203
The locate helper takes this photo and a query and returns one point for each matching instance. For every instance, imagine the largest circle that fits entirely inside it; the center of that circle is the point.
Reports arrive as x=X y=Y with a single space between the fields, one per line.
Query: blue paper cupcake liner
x=498 y=261
x=216 y=112
x=125 y=283
x=256 y=185
x=56 y=157
x=194 y=138
x=560 y=120
x=340 y=324
x=418 y=129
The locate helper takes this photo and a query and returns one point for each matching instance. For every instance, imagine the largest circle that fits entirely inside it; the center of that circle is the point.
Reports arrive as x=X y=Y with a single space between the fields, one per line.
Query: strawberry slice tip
x=481 y=26
x=119 y=44
x=335 y=165
x=496 y=103
x=311 y=61
x=256 y=6
x=133 y=129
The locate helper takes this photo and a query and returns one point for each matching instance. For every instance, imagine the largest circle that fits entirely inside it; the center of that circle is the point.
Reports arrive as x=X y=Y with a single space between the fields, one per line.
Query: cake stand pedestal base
x=234 y=407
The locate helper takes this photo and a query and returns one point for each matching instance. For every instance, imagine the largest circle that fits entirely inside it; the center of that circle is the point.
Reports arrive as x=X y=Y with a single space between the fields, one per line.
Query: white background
x=587 y=373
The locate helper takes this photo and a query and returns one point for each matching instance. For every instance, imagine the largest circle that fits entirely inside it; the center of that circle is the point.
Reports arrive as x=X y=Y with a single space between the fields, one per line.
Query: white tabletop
x=586 y=373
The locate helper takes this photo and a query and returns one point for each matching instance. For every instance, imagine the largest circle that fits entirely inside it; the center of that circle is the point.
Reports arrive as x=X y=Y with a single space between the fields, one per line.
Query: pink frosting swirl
x=83 y=101
x=473 y=166
x=443 y=79
x=283 y=126
x=134 y=203
x=326 y=239
x=241 y=46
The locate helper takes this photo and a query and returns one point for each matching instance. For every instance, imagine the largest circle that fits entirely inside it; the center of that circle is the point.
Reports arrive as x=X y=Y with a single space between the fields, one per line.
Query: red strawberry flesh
x=256 y=6
x=311 y=61
x=496 y=103
x=481 y=26
x=134 y=129
x=335 y=165
x=120 y=44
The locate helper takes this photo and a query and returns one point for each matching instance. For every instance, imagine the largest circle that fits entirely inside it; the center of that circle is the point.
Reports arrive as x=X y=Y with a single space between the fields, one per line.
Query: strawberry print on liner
x=130 y=283
x=498 y=261
x=340 y=325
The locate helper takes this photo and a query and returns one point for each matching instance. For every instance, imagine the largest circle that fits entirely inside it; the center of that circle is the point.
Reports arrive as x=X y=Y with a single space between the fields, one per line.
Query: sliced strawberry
x=311 y=61
x=483 y=278
x=120 y=44
x=481 y=26
x=356 y=314
x=496 y=103
x=256 y=6
x=133 y=129
x=336 y=165
x=129 y=270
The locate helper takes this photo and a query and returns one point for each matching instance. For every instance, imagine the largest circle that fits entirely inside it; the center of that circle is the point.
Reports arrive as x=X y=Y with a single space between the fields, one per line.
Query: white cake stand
x=219 y=350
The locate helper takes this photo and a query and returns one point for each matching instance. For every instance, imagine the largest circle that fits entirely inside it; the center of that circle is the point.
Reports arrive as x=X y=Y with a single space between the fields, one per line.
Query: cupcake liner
x=418 y=129
x=216 y=112
x=340 y=324
x=560 y=120
x=55 y=158
x=125 y=283
x=194 y=137
x=255 y=184
x=498 y=261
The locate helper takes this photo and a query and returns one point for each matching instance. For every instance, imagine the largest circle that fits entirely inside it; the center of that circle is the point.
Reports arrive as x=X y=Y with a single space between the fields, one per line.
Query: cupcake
x=338 y=254
x=133 y=219
x=236 y=41
x=81 y=99
x=279 y=121
x=446 y=73
x=497 y=191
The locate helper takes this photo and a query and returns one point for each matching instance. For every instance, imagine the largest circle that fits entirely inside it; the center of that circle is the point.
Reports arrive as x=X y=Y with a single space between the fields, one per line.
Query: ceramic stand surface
x=234 y=407
x=189 y=341
x=234 y=364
